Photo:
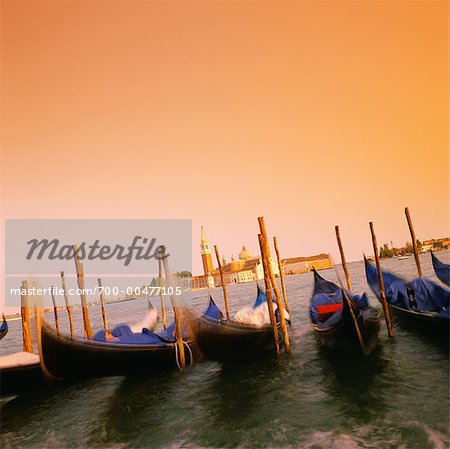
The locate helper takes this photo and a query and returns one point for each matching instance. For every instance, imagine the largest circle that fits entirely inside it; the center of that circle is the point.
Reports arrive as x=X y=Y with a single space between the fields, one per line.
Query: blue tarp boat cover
x=261 y=298
x=441 y=269
x=124 y=334
x=419 y=294
x=328 y=296
x=213 y=311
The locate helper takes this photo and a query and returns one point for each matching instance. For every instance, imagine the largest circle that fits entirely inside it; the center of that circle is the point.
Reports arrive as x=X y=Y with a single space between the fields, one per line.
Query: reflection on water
x=345 y=378
x=397 y=397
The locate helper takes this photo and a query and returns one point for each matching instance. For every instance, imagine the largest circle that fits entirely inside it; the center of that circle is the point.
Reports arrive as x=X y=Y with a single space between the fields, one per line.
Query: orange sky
x=309 y=113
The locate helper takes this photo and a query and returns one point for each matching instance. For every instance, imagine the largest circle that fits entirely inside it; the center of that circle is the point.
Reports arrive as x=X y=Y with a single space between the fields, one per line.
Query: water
x=396 y=398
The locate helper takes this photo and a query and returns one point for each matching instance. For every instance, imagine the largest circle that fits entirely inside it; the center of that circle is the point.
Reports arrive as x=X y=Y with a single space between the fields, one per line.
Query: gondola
x=441 y=269
x=420 y=304
x=20 y=372
x=127 y=353
x=3 y=328
x=333 y=323
x=228 y=340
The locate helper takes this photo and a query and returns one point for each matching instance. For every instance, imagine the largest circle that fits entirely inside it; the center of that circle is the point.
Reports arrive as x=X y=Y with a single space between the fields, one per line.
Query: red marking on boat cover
x=324 y=309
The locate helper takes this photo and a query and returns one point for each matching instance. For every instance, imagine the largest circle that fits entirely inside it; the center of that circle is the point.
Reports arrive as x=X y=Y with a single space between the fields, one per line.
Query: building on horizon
x=435 y=244
x=297 y=265
x=248 y=268
x=205 y=252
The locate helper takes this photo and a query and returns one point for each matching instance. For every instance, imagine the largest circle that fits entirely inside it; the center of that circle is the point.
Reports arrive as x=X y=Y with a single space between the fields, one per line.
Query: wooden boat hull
x=80 y=358
x=20 y=372
x=227 y=341
x=422 y=322
x=343 y=337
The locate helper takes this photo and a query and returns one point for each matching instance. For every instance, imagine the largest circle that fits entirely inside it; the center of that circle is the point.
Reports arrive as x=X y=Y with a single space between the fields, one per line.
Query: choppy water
x=396 y=398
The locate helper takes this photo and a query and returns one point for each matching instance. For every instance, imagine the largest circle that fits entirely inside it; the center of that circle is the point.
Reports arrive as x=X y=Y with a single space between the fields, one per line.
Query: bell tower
x=206 y=254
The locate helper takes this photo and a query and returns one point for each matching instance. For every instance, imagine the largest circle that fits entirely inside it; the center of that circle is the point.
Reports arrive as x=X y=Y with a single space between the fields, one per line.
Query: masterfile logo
x=126 y=253
x=53 y=250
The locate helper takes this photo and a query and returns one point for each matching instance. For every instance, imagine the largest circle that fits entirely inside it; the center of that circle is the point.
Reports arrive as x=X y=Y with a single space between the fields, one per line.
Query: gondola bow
x=441 y=269
x=334 y=323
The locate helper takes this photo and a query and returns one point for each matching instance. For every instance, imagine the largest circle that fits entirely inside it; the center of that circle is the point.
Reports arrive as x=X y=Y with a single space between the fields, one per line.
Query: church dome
x=244 y=254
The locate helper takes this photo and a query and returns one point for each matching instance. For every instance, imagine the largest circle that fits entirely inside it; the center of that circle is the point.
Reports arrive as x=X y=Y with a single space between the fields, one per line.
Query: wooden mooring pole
x=25 y=313
x=344 y=263
x=224 y=285
x=66 y=299
x=283 y=283
x=272 y=317
x=355 y=321
x=414 y=242
x=102 y=302
x=383 y=300
x=161 y=296
x=262 y=227
x=176 y=313
x=348 y=302
x=55 y=309
x=80 y=278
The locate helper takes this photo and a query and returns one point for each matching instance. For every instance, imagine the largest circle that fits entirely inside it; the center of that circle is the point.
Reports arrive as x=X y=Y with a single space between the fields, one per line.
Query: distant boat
x=421 y=303
x=333 y=323
x=441 y=269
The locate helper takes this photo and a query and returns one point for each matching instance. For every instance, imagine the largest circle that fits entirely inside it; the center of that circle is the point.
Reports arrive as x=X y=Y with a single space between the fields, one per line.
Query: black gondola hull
x=227 y=341
x=423 y=322
x=21 y=379
x=342 y=336
x=79 y=358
